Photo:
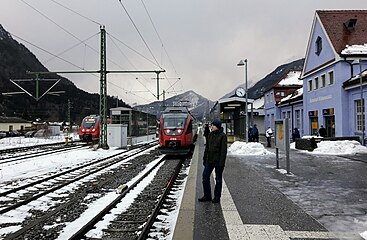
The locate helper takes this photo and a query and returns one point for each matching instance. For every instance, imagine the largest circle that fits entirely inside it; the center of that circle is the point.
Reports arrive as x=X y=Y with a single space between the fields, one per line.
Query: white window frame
x=323 y=81
x=359 y=116
x=316 y=79
x=331 y=73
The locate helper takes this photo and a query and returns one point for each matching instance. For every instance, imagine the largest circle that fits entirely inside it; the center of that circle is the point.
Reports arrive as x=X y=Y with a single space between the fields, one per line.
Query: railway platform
x=260 y=202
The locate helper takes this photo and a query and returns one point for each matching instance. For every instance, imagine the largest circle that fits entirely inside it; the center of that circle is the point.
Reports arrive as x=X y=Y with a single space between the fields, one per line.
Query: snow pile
x=337 y=148
x=251 y=148
x=364 y=235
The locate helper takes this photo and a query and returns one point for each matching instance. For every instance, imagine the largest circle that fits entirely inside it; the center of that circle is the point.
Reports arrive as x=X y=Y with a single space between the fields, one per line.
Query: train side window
x=189 y=128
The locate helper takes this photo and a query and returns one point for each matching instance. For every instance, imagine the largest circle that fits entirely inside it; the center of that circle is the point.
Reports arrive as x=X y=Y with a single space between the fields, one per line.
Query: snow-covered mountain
x=197 y=104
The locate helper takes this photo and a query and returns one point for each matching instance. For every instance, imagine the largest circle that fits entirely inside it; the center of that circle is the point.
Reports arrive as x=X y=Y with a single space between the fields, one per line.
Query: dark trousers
x=208 y=169
x=269 y=141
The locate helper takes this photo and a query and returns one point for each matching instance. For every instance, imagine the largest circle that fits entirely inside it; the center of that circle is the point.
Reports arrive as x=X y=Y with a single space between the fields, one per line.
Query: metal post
x=69 y=117
x=103 y=93
x=157 y=85
x=362 y=102
x=287 y=144
x=246 y=107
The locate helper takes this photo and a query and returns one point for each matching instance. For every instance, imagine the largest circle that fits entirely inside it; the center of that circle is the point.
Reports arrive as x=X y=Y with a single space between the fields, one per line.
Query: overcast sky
x=203 y=40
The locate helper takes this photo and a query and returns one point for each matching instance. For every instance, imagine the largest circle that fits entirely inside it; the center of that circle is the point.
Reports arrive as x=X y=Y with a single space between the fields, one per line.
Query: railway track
x=53 y=222
x=17 y=196
x=37 y=152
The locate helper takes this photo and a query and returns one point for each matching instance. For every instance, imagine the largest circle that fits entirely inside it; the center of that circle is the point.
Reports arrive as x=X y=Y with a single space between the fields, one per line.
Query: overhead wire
x=130 y=63
x=71 y=10
x=75 y=45
x=164 y=48
x=141 y=36
x=81 y=41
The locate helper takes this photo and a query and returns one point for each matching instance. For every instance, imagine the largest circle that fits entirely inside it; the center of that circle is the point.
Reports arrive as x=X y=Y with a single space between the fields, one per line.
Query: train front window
x=90 y=122
x=174 y=121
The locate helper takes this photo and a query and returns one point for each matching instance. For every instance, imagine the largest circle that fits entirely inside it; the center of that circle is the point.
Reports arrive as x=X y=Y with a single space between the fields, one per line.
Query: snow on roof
x=296 y=94
x=355 y=49
x=292 y=78
x=259 y=103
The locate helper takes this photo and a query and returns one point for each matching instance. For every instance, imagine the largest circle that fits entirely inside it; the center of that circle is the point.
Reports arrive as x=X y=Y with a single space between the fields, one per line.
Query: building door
x=314 y=126
x=330 y=125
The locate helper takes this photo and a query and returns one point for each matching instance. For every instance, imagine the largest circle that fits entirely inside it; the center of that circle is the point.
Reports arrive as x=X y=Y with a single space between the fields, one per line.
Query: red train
x=90 y=128
x=176 y=131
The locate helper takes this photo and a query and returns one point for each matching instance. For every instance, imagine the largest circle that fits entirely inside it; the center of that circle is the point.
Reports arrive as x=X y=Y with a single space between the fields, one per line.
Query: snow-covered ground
x=14 y=142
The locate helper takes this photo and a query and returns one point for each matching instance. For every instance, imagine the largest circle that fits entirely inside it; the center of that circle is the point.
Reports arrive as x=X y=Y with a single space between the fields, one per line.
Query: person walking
x=322 y=131
x=255 y=134
x=268 y=135
x=214 y=158
x=295 y=134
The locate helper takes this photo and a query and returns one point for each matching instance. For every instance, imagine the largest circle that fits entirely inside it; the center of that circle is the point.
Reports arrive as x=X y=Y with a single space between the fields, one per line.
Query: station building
x=333 y=89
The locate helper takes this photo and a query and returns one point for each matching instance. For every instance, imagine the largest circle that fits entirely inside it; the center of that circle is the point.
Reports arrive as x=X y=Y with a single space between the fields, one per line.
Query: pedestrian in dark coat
x=255 y=134
x=295 y=134
x=206 y=132
x=322 y=131
x=214 y=158
x=249 y=135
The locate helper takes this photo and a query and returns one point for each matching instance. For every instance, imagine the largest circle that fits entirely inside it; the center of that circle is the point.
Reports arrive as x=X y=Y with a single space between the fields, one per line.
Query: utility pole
x=103 y=93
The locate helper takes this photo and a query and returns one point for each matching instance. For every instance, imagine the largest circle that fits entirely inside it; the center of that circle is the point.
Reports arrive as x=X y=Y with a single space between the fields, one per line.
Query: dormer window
x=351 y=24
x=318 y=46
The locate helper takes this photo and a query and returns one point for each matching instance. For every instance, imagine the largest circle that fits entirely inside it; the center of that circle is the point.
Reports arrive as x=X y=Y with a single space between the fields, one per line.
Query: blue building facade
x=328 y=67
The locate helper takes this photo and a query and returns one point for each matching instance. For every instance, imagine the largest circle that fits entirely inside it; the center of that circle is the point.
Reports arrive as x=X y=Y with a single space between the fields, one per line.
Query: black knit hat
x=217 y=123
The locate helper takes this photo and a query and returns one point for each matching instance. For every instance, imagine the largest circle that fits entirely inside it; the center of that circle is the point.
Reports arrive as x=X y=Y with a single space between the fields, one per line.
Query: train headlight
x=93 y=130
x=83 y=130
x=168 y=131
x=179 y=130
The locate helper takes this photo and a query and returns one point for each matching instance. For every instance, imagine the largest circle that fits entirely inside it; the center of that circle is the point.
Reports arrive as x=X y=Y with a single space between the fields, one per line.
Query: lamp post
x=244 y=63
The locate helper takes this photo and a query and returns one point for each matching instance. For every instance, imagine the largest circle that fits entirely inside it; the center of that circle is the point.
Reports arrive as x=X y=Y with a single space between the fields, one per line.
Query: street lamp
x=244 y=63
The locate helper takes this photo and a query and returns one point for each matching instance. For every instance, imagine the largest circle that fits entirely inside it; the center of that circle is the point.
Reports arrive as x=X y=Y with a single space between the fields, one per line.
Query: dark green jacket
x=216 y=148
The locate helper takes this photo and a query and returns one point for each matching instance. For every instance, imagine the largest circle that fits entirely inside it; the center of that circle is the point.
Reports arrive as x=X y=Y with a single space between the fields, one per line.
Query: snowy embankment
x=344 y=147
x=15 y=142
x=251 y=148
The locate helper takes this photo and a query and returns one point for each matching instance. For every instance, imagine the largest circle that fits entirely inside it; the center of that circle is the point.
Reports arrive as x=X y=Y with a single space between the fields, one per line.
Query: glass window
x=359 y=106
x=298 y=119
x=318 y=45
x=331 y=78
x=323 y=80
x=309 y=85
x=316 y=82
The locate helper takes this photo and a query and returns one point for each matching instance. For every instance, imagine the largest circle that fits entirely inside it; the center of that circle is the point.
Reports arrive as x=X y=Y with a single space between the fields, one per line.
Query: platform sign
x=279 y=134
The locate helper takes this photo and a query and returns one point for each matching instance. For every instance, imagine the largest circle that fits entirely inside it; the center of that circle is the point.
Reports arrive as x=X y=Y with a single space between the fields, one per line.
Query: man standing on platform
x=214 y=158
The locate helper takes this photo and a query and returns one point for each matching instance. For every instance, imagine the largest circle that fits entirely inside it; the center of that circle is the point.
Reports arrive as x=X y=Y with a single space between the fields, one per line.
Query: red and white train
x=177 y=132
x=90 y=128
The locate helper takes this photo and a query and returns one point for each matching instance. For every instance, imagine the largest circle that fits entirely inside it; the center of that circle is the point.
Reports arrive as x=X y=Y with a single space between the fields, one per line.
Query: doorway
x=330 y=125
